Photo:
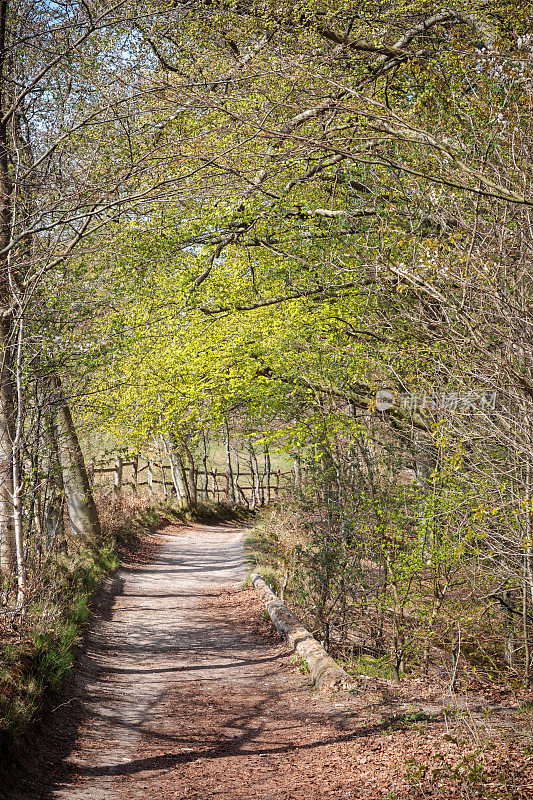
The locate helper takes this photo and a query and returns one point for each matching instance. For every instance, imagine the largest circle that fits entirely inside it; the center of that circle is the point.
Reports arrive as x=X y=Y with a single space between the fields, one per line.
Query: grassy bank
x=38 y=648
x=37 y=652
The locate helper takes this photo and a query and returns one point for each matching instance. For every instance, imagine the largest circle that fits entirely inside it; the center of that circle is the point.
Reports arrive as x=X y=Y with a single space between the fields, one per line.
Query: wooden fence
x=154 y=478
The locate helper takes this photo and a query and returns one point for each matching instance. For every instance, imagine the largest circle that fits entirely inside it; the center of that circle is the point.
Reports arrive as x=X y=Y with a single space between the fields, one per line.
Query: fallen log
x=324 y=671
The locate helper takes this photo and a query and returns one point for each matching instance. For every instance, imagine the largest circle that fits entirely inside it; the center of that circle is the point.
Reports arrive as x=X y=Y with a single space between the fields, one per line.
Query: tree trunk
x=267 y=475
x=53 y=528
x=231 y=480
x=164 y=480
x=17 y=477
x=51 y=523
x=254 y=470
x=525 y=629
x=8 y=550
x=239 y=494
x=204 y=461
x=161 y=450
x=8 y=557
x=253 y=499
x=179 y=479
x=81 y=507
x=135 y=475
x=192 y=478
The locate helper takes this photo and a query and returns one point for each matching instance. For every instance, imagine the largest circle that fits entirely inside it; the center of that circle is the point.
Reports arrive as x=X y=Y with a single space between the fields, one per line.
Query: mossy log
x=324 y=671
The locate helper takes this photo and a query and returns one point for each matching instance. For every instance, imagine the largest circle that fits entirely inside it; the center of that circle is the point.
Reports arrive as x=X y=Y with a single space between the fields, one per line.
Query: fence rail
x=258 y=489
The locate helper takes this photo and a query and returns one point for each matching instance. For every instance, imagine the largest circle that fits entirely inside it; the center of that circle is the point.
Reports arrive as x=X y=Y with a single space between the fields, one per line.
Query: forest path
x=188 y=694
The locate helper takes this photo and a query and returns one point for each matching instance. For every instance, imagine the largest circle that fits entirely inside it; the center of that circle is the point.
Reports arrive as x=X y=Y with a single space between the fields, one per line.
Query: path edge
x=325 y=672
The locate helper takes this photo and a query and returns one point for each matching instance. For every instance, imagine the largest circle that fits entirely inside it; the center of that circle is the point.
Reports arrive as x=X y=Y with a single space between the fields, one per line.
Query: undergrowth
x=381 y=620
x=469 y=756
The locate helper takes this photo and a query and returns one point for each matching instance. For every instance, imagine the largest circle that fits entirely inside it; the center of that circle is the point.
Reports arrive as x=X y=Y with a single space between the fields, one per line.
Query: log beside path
x=324 y=671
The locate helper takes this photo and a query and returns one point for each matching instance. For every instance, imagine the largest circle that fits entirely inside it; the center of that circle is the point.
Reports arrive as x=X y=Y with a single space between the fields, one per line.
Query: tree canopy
x=264 y=218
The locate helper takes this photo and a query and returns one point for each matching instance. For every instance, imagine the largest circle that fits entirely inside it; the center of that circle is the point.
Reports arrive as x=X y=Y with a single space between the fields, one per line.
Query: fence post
x=117 y=476
x=150 y=478
x=267 y=475
x=165 y=489
x=297 y=473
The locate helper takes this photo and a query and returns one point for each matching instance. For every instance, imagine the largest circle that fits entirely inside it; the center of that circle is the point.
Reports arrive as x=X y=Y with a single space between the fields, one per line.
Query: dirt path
x=189 y=695
x=188 y=692
x=157 y=640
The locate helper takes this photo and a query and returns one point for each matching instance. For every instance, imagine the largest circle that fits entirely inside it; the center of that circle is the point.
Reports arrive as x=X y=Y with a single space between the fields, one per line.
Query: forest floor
x=185 y=692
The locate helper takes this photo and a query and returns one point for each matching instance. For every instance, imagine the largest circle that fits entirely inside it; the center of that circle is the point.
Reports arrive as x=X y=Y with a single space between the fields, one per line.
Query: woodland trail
x=186 y=693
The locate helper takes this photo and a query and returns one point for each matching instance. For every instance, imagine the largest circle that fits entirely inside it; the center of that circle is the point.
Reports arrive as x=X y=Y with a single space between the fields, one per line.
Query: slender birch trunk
x=177 y=472
x=17 y=480
x=204 y=461
x=180 y=482
x=161 y=451
x=150 y=479
x=267 y=474
x=8 y=548
x=236 y=476
x=192 y=478
x=525 y=628
x=231 y=479
x=254 y=469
